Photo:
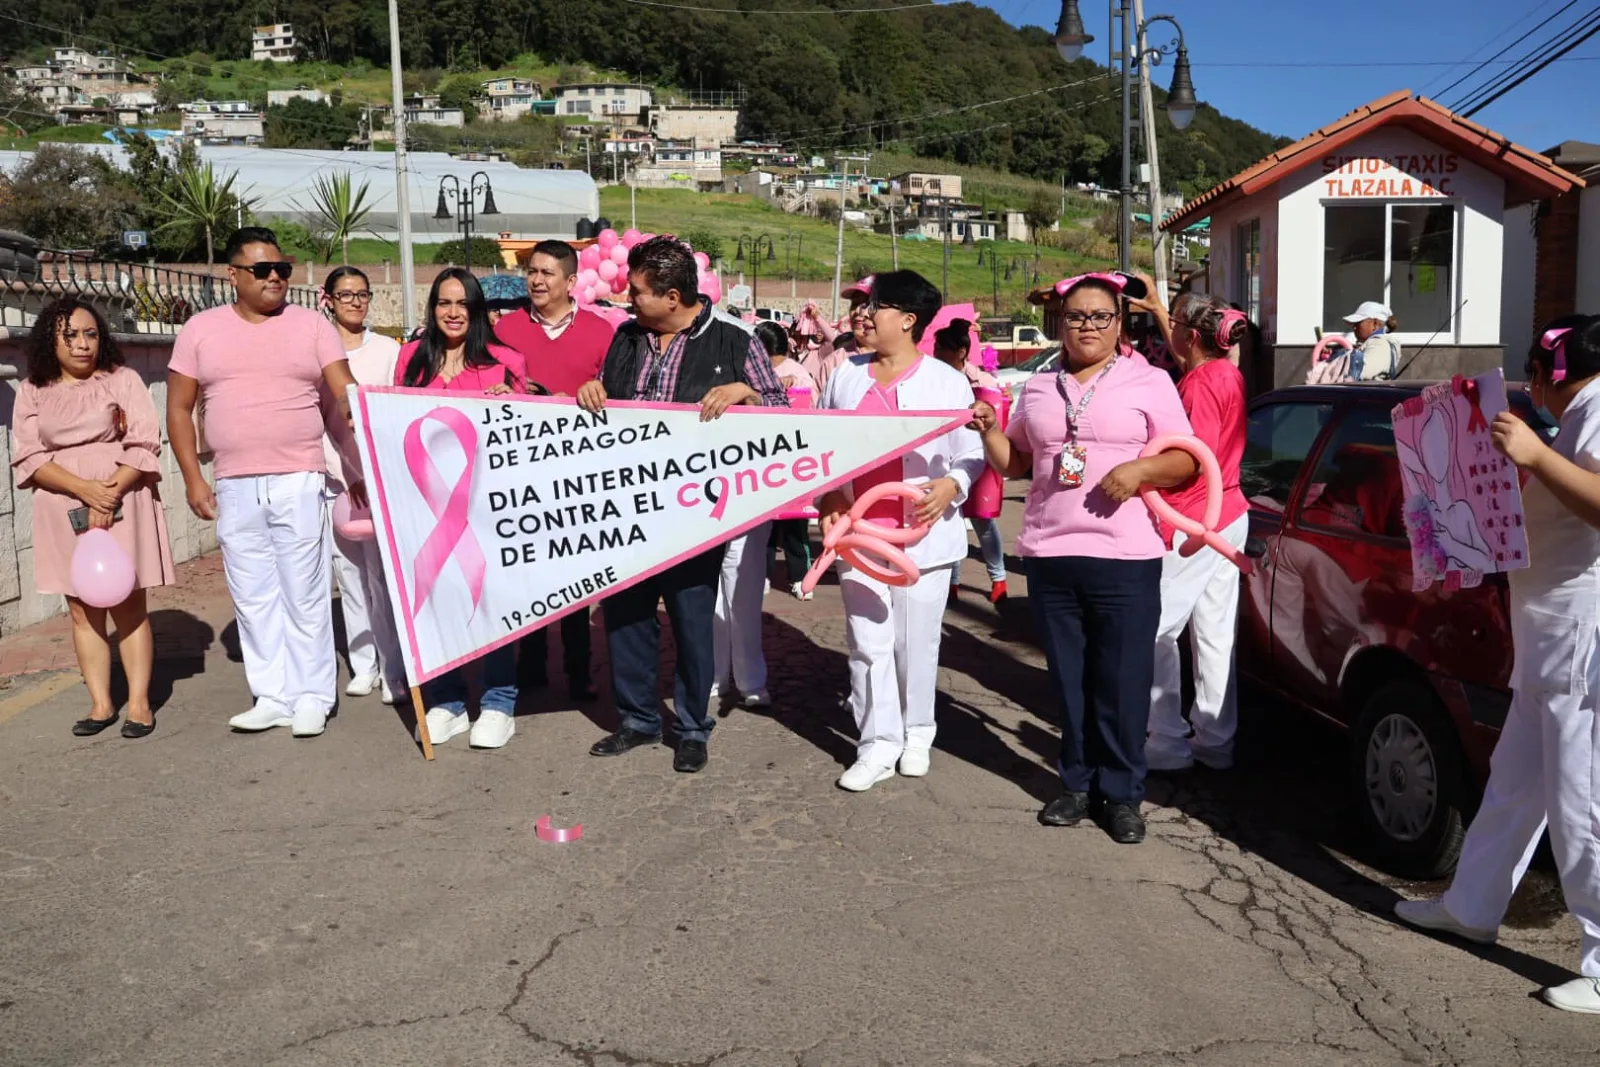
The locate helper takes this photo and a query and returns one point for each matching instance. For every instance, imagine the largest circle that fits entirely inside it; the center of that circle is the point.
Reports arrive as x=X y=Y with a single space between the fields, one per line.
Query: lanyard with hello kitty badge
x=1074 y=460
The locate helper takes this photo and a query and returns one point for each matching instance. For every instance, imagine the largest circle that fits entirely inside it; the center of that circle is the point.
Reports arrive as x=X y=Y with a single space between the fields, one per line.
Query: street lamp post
x=1181 y=103
x=466 y=209
x=755 y=244
x=792 y=242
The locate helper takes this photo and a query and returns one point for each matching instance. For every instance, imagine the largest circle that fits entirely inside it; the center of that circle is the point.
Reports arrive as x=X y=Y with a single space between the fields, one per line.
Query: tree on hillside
x=462 y=92
x=308 y=124
x=201 y=204
x=67 y=197
x=1042 y=212
x=341 y=208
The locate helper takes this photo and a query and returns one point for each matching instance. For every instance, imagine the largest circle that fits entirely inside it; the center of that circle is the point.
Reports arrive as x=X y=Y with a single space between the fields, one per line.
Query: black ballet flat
x=90 y=727
x=135 y=730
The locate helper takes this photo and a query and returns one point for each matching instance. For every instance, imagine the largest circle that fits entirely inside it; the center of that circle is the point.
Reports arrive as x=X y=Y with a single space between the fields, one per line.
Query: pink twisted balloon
x=871 y=549
x=1203 y=533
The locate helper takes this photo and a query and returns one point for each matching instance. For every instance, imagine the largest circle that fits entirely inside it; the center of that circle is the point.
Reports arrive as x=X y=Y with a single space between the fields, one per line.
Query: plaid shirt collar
x=559 y=324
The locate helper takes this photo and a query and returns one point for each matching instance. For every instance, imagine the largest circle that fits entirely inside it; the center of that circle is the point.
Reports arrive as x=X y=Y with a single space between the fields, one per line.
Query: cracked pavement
x=205 y=898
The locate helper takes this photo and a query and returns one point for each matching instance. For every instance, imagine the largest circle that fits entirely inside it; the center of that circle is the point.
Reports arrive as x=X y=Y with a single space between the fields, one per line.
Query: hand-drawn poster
x=1463 y=500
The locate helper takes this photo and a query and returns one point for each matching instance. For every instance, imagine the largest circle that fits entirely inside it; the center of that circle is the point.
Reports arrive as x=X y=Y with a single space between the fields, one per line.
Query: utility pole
x=838 y=252
x=894 y=240
x=1125 y=221
x=402 y=190
x=1147 y=113
x=633 y=196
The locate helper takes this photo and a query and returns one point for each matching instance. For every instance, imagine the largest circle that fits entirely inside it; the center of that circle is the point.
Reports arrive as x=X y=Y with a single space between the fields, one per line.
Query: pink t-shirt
x=1213 y=398
x=795 y=376
x=884 y=400
x=1132 y=404
x=473 y=379
x=259 y=382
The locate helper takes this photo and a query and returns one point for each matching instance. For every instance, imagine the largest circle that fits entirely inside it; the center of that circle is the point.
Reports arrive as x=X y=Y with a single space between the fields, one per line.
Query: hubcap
x=1402 y=778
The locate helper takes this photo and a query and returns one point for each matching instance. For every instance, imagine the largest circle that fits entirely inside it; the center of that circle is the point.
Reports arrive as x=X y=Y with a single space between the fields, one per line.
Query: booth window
x=1402 y=255
x=1247 y=236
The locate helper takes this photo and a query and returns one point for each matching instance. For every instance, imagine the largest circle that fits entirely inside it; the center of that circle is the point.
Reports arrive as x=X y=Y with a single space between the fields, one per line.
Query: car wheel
x=1408 y=775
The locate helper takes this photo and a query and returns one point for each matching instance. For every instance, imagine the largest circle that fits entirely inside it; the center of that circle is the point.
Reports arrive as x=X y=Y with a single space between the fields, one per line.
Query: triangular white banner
x=498 y=515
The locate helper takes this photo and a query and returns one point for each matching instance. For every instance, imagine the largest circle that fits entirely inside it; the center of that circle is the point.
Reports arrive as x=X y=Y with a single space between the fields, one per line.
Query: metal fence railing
x=134 y=297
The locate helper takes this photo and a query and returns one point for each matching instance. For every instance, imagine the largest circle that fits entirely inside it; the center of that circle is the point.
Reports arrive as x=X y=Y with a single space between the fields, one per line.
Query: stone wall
x=19 y=605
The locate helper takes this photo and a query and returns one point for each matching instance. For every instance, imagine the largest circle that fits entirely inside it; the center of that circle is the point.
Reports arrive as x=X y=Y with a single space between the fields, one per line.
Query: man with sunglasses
x=256 y=366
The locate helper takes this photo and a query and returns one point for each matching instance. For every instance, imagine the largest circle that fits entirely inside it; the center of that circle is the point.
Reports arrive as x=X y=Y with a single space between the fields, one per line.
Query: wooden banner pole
x=422 y=722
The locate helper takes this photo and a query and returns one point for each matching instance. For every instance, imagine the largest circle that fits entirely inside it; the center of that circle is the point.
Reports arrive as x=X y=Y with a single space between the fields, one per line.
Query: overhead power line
x=1427 y=88
x=1469 y=75
x=1534 y=61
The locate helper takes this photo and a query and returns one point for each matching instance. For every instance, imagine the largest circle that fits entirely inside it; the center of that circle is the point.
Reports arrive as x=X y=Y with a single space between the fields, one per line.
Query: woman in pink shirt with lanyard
x=457 y=354
x=1201 y=592
x=1092 y=549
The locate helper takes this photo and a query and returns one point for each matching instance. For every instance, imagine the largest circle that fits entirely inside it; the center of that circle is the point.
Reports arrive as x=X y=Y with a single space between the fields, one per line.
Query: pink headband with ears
x=1556 y=341
x=1066 y=285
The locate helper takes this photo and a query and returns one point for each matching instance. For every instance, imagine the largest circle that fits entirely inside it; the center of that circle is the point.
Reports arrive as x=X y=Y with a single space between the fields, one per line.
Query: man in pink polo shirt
x=256 y=365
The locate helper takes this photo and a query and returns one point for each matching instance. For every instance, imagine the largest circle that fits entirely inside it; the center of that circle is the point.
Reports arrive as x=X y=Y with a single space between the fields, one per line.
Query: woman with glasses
x=369 y=631
x=1201 y=592
x=893 y=632
x=1092 y=549
x=458 y=353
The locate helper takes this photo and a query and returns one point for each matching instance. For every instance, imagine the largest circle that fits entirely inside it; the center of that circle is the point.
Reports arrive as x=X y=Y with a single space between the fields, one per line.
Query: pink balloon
x=711 y=288
x=607 y=239
x=599 y=291
x=619 y=255
x=876 y=551
x=350 y=522
x=619 y=284
x=102 y=573
x=631 y=238
x=589 y=257
x=608 y=270
x=587 y=277
x=702 y=259
x=1203 y=533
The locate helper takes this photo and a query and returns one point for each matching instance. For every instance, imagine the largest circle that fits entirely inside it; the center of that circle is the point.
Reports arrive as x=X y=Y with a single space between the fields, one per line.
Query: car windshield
x=1043 y=360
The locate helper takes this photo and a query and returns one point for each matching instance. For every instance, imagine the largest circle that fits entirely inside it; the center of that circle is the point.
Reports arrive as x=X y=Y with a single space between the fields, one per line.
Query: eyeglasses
x=1099 y=320
x=261 y=270
x=873 y=306
x=353 y=296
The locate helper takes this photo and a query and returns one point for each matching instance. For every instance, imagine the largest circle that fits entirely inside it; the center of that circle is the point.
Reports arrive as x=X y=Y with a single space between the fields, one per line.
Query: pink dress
x=74 y=425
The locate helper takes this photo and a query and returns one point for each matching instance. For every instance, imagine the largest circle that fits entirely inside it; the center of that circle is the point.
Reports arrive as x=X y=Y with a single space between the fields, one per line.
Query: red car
x=1329 y=622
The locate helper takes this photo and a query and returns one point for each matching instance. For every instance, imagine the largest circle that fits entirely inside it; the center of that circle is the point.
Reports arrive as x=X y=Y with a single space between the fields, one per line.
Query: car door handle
x=1255 y=548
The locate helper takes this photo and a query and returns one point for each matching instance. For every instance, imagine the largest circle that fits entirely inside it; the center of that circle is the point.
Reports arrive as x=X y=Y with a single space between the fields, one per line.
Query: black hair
x=559 y=251
x=338 y=273
x=1581 y=347
x=667 y=264
x=911 y=293
x=774 y=337
x=956 y=337
x=44 y=366
x=429 y=356
x=249 y=235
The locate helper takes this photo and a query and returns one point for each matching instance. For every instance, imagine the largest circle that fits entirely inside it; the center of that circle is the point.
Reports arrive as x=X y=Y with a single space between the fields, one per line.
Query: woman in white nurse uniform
x=893 y=631
x=1546 y=766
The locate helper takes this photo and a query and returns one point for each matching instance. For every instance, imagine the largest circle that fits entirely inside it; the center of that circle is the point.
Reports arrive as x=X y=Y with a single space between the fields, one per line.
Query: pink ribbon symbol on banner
x=452 y=536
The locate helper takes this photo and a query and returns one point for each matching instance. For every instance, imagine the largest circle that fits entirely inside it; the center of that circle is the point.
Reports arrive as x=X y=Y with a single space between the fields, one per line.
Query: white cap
x=1370 y=309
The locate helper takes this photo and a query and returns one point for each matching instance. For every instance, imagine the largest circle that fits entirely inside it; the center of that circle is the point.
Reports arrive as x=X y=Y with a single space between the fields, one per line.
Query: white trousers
x=369 y=631
x=1546 y=767
x=1202 y=593
x=273 y=529
x=893 y=635
x=736 y=628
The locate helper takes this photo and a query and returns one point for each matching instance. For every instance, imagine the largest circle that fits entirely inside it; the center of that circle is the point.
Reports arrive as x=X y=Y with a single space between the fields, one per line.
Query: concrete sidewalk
x=208 y=898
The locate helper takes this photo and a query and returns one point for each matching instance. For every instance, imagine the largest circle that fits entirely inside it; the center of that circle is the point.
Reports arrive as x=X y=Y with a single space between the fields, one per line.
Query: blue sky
x=1290 y=66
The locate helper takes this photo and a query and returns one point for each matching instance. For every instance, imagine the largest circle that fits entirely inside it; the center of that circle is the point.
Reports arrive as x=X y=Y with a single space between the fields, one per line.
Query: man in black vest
x=678 y=349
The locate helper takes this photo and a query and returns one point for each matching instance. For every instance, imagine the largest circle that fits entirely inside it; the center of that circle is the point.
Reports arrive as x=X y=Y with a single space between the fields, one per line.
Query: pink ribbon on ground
x=556 y=835
x=452 y=536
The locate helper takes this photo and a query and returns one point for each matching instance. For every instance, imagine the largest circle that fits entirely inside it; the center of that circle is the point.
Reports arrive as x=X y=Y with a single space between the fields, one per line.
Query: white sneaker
x=443 y=724
x=1431 y=915
x=264 y=716
x=716 y=692
x=361 y=685
x=1166 y=755
x=798 y=593
x=1581 y=995
x=758 y=698
x=309 y=720
x=862 y=776
x=492 y=730
x=914 y=763
x=386 y=692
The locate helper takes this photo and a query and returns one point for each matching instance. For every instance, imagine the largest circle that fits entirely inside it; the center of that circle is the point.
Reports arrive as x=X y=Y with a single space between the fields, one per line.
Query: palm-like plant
x=199 y=201
x=341 y=208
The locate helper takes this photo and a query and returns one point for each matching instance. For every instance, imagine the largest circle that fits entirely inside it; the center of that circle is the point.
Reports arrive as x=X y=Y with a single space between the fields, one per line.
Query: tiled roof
x=1528 y=175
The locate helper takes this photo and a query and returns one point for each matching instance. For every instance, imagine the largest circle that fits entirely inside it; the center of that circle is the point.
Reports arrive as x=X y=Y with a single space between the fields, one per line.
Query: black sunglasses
x=261 y=270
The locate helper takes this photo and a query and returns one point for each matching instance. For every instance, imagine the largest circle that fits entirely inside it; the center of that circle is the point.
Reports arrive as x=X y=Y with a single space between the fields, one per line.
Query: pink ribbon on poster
x=452 y=537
